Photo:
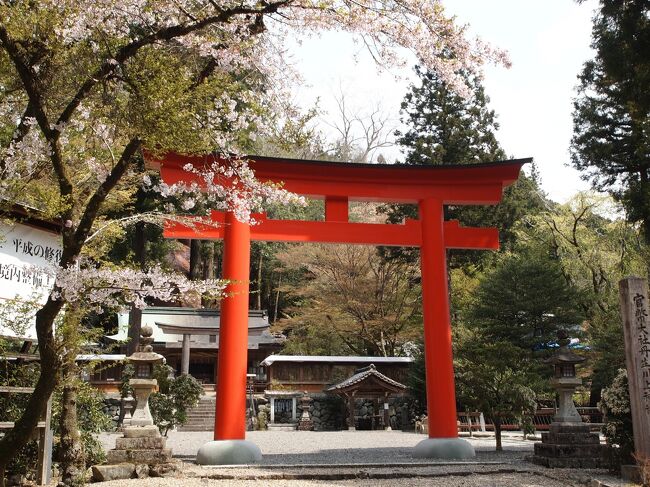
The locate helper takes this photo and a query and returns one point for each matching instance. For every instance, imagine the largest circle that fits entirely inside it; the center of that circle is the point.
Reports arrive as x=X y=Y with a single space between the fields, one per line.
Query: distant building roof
x=170 y=323
x=102 y=357
x=335 y=359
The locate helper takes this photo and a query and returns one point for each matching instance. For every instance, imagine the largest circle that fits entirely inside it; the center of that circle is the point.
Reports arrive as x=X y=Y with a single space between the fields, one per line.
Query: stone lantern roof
x=563 y=355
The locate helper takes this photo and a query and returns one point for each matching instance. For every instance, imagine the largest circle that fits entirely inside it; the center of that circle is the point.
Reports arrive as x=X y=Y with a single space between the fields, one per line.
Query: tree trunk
x=71 y=456
x=277 y=299
x=208 y=271
x=17 y=438
x=497 y=432
x=258 y=304
x=207 y=257
x=135 y=324
x=139 y=251
x=195 y=259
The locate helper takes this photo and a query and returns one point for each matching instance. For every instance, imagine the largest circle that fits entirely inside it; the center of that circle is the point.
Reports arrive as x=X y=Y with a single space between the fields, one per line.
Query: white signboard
x=23 y=250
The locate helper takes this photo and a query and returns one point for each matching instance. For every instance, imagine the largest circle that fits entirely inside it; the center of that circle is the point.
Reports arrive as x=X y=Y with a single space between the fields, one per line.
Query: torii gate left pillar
x=431 y=188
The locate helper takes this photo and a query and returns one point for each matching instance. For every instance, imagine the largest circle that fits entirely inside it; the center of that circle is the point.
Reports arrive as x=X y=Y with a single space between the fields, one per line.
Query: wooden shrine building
x=368 y=383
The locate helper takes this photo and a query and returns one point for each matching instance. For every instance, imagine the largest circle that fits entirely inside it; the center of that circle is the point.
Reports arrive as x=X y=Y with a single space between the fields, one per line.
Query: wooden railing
x=44 y=463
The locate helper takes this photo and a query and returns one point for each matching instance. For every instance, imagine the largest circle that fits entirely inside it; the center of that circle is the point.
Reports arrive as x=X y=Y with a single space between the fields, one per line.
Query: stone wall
x=326 y=412
x=111 y=409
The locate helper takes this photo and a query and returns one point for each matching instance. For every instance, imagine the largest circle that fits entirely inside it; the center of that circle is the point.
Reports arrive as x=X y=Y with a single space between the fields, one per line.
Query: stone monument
x=636 y=330
x=142 y=448
x=568 y=443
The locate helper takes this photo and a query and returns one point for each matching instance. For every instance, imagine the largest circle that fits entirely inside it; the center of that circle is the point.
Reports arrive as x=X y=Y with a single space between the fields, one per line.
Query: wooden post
x=636 y=328
x=230 y=420
x=351 y=422
x=45 y=437
x=272 y=410
x=185 y=355
x=386 y=413
x=438 y=360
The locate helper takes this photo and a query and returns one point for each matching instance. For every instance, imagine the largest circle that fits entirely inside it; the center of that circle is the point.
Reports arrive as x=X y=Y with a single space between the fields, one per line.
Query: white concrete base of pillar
x=444 y=448
x=228 y=452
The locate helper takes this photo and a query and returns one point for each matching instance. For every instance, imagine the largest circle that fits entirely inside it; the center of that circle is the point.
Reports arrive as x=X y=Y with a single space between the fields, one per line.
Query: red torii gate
x=430 y=187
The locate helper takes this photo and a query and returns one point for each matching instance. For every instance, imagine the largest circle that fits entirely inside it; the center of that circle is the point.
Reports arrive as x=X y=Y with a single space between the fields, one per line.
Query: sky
x=548 y=42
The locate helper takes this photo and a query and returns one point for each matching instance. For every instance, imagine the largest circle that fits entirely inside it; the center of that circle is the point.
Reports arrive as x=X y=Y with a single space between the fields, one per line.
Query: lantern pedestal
x=444 y=448
x=567 y=412
x=570 y=446
x=228 y=452
x=142 y=389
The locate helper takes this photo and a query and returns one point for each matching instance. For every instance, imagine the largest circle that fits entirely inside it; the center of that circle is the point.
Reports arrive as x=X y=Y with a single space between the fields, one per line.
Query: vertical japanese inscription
x=634 y=310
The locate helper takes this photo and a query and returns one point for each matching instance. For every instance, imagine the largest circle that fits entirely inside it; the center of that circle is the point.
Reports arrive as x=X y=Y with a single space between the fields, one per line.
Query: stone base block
x=445 y=448
x=165 y=469
x=305 y=425
x=569 y=428
x=141 y=443
x=141 y=431
x=150 y=457
x=228 y=452
x=104 y=473
x=572 y=450
x=569 y=438
x=568 y=462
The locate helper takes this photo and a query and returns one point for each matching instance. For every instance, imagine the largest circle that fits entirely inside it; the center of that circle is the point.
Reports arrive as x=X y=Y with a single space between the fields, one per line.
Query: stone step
x=281 y=426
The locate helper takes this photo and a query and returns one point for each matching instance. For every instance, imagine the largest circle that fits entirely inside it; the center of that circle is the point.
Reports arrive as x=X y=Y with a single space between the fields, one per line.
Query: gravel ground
x=497 y=480
x=310 y=447
x=346 y=458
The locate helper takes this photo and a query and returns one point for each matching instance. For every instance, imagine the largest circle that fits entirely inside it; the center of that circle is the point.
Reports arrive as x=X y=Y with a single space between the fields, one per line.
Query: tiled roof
x=363 y=374
x=336 y=359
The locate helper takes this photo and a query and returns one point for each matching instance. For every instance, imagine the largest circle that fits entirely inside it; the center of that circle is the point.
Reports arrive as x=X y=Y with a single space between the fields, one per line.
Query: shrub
x=615 y=405
x=175 y=396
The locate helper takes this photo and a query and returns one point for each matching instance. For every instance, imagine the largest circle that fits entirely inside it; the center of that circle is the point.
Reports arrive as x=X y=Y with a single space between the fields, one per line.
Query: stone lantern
x=305 y=423
x=564 y=380
x=141 y=443
x=569 y=442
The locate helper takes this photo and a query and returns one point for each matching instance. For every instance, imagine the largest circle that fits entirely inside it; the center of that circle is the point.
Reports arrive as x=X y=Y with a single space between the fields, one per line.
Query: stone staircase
x=200 y=417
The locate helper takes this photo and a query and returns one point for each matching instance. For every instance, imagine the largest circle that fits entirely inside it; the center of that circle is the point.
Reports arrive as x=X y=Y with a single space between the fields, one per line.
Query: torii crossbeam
x=430 y=187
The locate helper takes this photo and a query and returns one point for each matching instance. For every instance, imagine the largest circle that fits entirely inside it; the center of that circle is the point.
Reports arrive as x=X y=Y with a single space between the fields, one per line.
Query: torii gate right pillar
x=443 y=439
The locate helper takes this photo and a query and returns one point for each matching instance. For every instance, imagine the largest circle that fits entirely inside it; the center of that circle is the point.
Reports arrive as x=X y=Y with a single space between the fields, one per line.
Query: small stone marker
x=636 y=328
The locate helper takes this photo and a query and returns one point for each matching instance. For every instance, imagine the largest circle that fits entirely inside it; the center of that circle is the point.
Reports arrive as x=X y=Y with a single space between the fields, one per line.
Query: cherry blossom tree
x=85 y=85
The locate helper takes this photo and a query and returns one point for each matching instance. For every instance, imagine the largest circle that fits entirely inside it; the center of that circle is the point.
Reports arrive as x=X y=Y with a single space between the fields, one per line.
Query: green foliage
x=445 y=128
x=416 y=382
x=611 y=141
x=174 y=397
x=128 y=372
x=615 y=405
x=12 y=405
x=524 y=301
x=349 y=297
x=91 y=420
x=594 y=250
x=495 y=377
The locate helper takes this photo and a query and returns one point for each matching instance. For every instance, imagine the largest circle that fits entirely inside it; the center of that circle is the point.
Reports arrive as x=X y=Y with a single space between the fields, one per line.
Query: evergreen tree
x=525 y=301
x=445 y=128
x=611 y=141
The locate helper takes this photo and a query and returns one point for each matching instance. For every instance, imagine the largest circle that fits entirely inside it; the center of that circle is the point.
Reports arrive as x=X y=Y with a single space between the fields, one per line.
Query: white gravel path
x=326 y=447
